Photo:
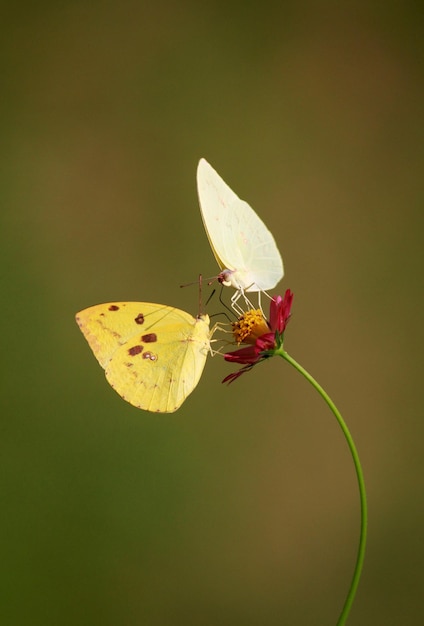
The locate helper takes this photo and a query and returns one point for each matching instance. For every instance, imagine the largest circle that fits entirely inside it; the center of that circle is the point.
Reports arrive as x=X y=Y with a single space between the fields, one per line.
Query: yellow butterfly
x=153 y=355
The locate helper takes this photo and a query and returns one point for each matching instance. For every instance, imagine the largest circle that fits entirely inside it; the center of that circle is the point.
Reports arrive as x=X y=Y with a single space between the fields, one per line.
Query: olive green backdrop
x=242 y=508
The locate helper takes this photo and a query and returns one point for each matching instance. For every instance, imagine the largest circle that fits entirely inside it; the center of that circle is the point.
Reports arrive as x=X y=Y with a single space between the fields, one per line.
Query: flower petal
x=279 y=312
x=249 y=355
x=232 y=377
x=265 y=342
x=274 y=310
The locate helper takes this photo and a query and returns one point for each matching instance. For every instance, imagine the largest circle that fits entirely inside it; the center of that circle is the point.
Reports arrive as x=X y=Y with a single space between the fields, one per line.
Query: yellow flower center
x=250 y=326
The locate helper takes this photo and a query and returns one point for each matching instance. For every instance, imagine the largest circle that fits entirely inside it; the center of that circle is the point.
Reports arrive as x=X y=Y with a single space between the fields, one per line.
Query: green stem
x=361 y=484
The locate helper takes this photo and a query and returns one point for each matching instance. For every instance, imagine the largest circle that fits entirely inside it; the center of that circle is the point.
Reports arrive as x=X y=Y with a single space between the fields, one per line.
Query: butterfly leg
x=234 y=302
x=221 y=328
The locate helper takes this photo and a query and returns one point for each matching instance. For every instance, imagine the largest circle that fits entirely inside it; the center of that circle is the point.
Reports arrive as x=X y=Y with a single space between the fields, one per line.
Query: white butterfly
x=243 y=246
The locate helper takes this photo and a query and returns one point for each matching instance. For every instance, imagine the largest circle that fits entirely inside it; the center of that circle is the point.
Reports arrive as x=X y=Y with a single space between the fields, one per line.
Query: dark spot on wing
x=139 y=319
x=135 y=350
x=113 y=307
x=150 y=338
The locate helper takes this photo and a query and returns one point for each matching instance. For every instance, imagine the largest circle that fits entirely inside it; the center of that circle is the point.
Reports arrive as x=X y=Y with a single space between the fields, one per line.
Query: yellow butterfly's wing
x=153 y=355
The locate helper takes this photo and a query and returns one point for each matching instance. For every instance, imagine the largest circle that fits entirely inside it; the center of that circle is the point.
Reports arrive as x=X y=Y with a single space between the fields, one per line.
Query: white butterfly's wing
x=153 y=355
x=239 y=239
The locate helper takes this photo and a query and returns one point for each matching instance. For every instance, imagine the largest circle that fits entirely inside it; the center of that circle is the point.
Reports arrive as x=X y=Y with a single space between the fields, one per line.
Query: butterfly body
x=153 y=355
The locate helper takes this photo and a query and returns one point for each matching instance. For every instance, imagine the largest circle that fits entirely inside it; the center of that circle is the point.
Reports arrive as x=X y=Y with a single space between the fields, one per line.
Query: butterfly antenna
x=212 y=279
x=200 y=294
x=194 y=282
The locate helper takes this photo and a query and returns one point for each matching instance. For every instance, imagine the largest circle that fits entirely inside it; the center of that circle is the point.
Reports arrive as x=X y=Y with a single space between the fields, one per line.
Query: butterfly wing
x=239 y=239
x=153 y=355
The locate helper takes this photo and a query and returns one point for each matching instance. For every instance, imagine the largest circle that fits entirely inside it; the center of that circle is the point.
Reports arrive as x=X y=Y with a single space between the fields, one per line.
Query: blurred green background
x=241 y=508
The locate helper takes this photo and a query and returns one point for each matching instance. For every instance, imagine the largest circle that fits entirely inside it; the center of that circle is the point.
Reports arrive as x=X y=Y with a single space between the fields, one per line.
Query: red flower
x=265 y=336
